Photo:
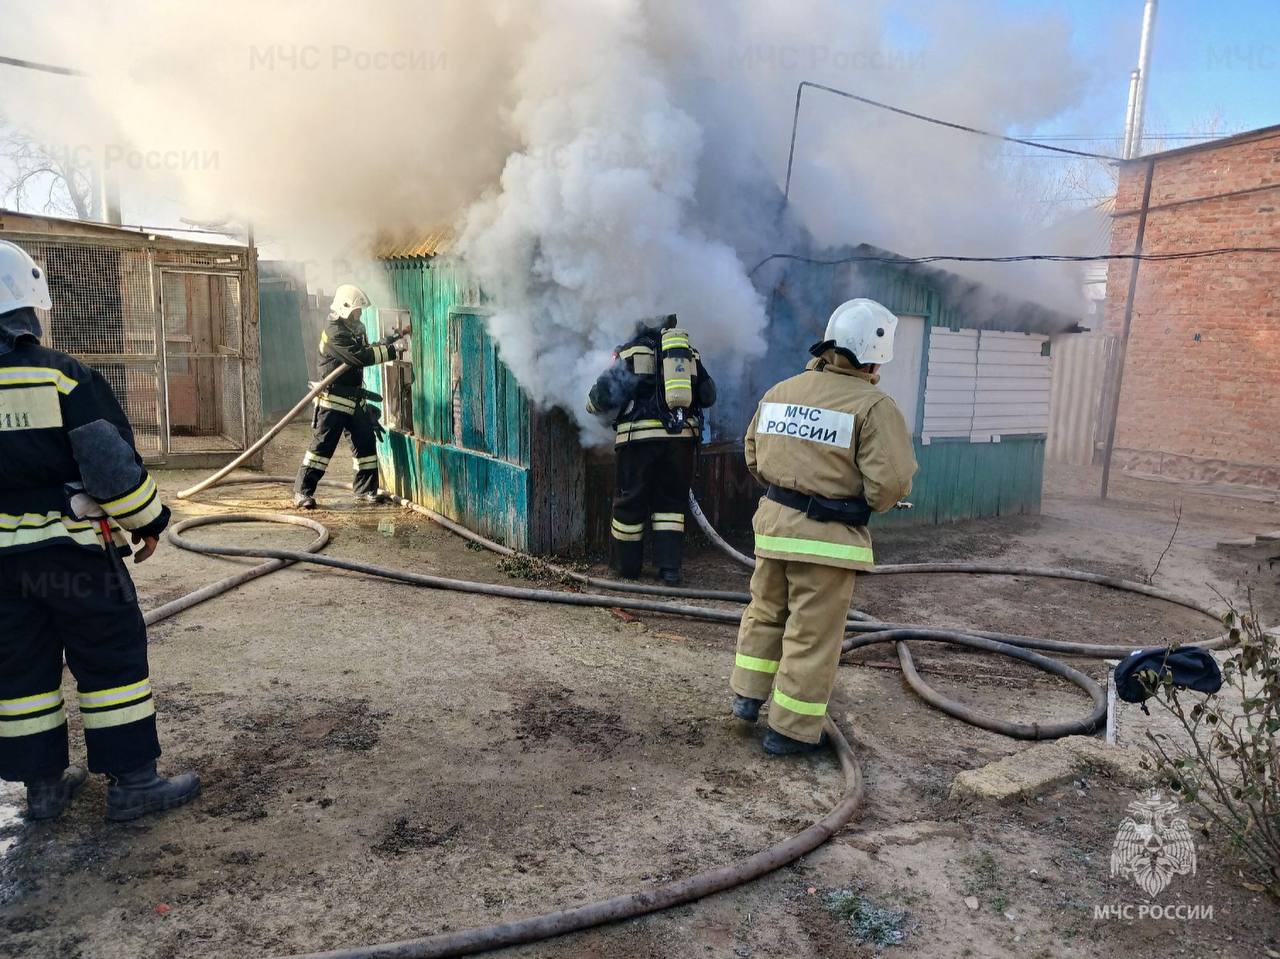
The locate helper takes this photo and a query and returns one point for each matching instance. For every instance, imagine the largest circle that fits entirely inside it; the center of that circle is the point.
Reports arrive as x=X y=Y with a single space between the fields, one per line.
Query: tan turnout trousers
x=789 y=641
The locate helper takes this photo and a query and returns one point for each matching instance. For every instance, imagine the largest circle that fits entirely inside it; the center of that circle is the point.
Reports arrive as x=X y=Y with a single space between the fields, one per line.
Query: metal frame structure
x=122 y=316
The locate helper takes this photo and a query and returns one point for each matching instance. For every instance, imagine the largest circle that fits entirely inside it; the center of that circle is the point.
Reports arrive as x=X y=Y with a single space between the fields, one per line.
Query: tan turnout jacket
x=827 y=432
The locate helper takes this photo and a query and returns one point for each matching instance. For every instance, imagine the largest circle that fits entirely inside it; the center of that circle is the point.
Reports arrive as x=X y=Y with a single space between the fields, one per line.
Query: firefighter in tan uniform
x=833 y=449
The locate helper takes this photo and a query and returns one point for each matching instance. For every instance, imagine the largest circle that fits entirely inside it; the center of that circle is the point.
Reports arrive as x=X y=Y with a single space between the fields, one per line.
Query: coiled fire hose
x=864 y=630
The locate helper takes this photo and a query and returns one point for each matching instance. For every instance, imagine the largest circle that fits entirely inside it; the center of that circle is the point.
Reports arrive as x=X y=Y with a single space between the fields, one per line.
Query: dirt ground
x=382 y=762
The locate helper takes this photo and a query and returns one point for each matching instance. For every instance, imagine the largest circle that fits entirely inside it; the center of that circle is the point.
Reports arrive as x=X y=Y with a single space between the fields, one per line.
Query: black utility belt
x=851 y=512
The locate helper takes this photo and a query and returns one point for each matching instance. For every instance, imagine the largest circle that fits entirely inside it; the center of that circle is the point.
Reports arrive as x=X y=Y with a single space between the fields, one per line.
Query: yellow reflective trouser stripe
x=117 y=695
x=313 y=459
x=364 y=463
x=668 y=522
x=37 y=376
x=628 y=532
x=36 y=724
x=669 y=517
x=30 y=704
x=131 y=501
x=756 y=664
x=815 y=547
x=119 y=717
x=799 y=705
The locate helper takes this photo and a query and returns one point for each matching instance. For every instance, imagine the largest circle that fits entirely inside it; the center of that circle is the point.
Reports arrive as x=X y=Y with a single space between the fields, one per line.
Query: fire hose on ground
x=862 y=629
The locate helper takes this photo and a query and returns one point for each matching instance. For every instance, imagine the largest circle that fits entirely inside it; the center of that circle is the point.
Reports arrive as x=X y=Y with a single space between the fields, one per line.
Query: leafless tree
x=38 y=178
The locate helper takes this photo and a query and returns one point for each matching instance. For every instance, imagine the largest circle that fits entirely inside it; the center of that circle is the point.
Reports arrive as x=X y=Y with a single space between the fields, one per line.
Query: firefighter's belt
x=851 y=512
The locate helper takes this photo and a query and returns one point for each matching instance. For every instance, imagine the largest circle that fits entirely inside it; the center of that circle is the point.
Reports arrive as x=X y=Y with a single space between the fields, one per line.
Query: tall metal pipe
x=1144 y=74
x=1127 y=151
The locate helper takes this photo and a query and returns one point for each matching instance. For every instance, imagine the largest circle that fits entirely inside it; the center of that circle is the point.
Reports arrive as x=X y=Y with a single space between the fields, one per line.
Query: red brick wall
x=1206 y=408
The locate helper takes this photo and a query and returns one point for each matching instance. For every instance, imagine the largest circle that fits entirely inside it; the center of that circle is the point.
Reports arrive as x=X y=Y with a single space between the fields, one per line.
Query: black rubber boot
x=134 y=794
x=49 y=798
x=746 y=708
x=670 y=577
x=373 y=499
x=776 y=744
x=302 y=501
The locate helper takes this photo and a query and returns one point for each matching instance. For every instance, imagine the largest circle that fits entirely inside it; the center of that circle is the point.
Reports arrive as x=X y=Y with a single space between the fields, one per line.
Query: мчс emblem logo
x=1151 y=847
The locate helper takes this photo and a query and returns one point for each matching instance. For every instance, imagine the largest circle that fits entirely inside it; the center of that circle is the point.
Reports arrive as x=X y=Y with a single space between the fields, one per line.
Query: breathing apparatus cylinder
x=678 y=370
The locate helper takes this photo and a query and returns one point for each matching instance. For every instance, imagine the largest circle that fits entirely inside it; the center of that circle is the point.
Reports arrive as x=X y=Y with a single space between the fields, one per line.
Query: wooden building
x=972 y=375
x=171 y=323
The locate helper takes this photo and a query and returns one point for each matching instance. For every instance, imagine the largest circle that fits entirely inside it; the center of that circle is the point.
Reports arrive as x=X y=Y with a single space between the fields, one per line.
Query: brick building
x=1201 y=391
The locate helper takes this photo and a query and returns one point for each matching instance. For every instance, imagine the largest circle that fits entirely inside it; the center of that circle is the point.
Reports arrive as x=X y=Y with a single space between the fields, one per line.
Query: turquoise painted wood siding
x=960 y=480
x=284 y=359
x=469 y=457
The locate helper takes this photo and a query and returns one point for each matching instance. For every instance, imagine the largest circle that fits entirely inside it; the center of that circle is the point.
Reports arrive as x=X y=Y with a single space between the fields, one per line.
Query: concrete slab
x=1044 y=766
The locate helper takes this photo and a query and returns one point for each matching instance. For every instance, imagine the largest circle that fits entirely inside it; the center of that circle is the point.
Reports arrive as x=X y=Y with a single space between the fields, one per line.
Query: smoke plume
x=598 y=161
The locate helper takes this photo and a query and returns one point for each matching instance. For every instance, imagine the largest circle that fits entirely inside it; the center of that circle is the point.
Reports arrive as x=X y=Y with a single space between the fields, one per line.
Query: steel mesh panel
x=228 y=298
x=206 y=402
x=137 y=387
x=102 y=298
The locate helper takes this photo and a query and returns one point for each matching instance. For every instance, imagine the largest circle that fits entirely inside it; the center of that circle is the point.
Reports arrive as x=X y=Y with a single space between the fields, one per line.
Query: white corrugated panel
x=951 y=384
x=1081 y=365
x=1012 y=395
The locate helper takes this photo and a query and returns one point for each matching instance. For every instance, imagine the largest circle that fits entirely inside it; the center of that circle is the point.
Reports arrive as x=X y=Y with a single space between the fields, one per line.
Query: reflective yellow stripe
x=364 y=463
x=674 y=343
x=639 y=425
x=131 y=501
x=628 y=532
x=815 y=547
x=334 y=404
x=50 y=527
x=30 y=704
x=324 y=340
x=688 y=431
x=119 y=717
x=670 y=517
x=143 y=517
x=37 y=375
x=668 y=522
x=116 y=695
x=343 y=401
x=36 y=724
x=679 y=384
x=312 y=459
x=755 y=664
x=799 y=705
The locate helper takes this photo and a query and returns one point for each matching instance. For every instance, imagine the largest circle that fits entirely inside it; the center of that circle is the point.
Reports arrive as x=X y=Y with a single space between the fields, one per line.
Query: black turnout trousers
x=652 y=489
x=66 y=600
x=329 y=425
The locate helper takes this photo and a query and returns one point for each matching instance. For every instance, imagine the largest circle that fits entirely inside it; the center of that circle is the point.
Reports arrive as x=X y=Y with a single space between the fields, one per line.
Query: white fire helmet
x=347 y=299
x=22 y=281
x=865 y=328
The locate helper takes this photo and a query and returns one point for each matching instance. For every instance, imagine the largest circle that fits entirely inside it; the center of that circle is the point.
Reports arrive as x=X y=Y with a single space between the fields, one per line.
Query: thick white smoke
x=600 y=161
x=591 y=227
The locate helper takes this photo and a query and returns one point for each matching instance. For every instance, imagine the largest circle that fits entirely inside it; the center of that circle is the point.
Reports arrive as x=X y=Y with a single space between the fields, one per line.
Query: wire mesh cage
x=164 y=323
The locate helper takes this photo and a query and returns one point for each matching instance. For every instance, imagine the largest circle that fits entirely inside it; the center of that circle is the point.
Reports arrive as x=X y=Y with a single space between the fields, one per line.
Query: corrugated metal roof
x=414 y=246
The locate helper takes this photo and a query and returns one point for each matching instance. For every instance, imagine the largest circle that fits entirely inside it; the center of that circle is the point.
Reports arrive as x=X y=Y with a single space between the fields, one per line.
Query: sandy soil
x=383 y=762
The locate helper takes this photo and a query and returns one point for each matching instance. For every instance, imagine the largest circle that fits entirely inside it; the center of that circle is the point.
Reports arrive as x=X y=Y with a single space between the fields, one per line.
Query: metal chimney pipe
x=1127 y=150
x=1144 y=74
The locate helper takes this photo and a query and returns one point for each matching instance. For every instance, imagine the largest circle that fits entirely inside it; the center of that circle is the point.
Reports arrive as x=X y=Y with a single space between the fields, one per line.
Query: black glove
x=375 y=415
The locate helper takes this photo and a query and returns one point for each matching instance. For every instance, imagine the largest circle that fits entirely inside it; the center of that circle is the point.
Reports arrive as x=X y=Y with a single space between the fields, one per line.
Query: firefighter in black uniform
x=71 y=486
x=343 y=407
x=654 y=394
